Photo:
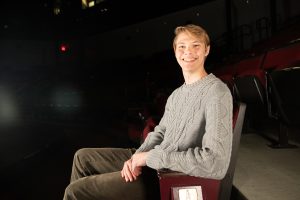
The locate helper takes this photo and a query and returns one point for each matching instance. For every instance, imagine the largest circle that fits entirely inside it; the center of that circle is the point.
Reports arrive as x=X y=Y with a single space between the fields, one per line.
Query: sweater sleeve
x=211 y=158
x=156 y=137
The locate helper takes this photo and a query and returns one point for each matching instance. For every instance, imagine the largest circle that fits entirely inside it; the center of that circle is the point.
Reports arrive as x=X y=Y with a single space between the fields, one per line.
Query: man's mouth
x=188 y=59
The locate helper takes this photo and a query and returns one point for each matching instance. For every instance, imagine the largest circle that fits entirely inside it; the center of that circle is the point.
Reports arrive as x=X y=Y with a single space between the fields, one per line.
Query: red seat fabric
x=149 y=126
x=252 y=67
x=288 y=56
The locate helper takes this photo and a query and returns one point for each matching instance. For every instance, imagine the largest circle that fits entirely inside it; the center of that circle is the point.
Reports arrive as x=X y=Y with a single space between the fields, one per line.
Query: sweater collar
x=200 y=81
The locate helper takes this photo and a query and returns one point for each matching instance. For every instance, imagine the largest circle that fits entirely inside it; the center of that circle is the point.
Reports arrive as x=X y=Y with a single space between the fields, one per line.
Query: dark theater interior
x=97 y=73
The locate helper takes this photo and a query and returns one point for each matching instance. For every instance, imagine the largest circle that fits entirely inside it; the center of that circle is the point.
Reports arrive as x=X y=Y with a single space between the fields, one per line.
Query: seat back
x=211 y=189
x=226 y=74
x=238 y=121
x=249 y=82
x=283 y=57
x=284 y=94
x=249 y=89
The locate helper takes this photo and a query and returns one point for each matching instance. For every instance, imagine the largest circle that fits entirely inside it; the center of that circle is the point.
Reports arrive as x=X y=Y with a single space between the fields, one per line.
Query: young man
x=194 y=135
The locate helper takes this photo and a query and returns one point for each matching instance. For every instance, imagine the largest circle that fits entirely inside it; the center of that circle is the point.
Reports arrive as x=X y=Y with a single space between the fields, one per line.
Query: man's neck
x=190 y=78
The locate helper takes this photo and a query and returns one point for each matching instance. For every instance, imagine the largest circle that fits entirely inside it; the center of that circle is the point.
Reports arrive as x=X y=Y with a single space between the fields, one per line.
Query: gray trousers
x=96 y=175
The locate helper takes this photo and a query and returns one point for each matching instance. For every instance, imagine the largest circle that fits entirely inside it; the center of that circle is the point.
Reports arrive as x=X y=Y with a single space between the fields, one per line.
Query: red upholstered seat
x=149 y=126
x=284 y=57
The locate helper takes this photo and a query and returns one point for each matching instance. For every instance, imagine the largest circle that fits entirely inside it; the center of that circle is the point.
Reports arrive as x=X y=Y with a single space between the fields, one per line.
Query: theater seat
x=249 y=89
x=284 y=101
x=283 y=57
x=249 y=81
x=172 y=184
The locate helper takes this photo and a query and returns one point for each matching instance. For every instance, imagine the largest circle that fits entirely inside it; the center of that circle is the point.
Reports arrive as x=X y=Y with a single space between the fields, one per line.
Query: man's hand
x=126 y=171
x=138 y=161
x=133 y=167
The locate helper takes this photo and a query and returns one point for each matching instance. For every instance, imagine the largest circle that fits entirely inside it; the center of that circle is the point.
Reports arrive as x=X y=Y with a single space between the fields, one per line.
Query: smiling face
x=191 y=46
x=190 y=52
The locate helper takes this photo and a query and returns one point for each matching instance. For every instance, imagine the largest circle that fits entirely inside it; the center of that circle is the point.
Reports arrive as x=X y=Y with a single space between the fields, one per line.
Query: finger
x=128 y=174
x=122 y=174
x=123 y=170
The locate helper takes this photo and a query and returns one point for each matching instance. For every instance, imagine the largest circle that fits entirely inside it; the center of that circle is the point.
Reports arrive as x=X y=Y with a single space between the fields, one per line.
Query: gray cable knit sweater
x=194 y=135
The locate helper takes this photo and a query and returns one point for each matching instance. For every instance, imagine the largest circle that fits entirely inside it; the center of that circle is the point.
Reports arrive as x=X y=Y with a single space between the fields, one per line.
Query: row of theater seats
x=269 y=83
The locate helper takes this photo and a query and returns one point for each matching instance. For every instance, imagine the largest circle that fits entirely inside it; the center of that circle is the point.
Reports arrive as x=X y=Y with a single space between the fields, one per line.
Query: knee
x=80 y=158
x=70 y=192
x=80 y=154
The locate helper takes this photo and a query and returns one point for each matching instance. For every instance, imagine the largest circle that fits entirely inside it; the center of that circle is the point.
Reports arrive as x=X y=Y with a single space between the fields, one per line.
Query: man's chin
x=187 y=70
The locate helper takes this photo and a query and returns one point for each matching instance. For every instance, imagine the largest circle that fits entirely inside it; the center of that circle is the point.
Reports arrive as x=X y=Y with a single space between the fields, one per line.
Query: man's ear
x=207 y=50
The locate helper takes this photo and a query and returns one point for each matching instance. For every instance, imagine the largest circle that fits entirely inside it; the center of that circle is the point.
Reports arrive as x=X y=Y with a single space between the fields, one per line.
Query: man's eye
x=180 y=46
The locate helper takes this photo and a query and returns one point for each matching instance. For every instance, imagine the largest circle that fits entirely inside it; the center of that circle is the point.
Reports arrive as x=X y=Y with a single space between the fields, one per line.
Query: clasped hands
x=133 y=167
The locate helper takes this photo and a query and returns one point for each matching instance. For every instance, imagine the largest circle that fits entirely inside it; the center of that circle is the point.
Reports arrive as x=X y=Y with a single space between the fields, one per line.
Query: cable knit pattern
x=194 y=135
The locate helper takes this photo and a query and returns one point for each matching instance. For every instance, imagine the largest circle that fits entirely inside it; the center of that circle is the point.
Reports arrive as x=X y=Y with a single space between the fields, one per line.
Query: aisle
x=263 y=173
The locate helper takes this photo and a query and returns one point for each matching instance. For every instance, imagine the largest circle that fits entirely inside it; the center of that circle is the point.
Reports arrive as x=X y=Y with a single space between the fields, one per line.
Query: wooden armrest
x=168 y=172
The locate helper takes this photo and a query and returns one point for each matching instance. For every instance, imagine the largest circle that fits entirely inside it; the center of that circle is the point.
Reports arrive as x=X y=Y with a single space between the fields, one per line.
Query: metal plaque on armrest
x=187 y=193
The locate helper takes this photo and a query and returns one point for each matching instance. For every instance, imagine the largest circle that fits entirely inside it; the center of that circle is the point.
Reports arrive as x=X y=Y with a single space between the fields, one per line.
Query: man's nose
x=188 y=50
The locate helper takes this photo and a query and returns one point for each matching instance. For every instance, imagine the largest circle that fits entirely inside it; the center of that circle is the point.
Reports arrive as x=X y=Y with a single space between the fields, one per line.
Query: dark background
x=118 y=58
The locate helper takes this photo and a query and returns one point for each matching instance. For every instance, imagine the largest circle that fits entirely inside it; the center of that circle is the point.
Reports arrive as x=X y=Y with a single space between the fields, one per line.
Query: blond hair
x=193 y=29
